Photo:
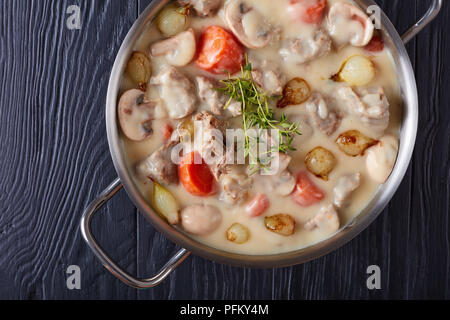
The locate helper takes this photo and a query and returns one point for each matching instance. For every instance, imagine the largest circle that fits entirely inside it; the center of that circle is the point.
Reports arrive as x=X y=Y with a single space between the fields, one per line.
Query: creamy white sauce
x=317 y=74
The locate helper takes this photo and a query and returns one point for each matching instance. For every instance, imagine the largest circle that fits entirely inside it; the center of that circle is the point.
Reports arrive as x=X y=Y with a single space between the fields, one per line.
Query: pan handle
x=431 y=14
x=117 y=271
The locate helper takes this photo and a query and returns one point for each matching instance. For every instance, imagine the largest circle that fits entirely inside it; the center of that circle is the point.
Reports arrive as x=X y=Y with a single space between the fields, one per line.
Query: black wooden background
x=54 y=160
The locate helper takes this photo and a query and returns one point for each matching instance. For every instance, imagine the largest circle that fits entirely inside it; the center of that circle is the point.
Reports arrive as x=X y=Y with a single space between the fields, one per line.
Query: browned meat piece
x=159 y=166
x=306 y=49
x=325 y=120
x=371 y=106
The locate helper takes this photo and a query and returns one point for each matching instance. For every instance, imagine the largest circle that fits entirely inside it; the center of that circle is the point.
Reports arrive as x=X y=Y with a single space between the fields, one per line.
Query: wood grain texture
x=54 y=160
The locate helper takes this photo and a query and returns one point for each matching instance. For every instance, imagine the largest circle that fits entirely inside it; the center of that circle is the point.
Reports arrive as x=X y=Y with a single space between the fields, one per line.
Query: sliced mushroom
x=136 y=115
x=179 y=50
x=247 y=24
x=381 y=159
x=285 y=184
x=282 y=182
x=201 y=220
x=349 y=24
x=326 y=221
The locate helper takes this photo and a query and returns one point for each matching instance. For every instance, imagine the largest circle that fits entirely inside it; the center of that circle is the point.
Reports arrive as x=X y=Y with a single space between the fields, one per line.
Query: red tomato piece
x=220 y=52
x=196 y=178
x=306 y=193
x=257 y=206
x=309 y=11
x=375 y=45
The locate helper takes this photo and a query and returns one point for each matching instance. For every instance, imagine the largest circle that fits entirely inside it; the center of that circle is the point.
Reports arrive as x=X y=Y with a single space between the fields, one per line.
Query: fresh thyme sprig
x=257 y=114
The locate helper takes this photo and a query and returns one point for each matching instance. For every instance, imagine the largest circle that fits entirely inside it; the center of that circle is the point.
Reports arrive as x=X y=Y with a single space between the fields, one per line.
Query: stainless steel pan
x=394 y=42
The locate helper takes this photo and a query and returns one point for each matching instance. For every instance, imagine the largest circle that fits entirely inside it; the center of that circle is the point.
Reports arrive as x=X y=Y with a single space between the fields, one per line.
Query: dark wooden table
x=54 y=160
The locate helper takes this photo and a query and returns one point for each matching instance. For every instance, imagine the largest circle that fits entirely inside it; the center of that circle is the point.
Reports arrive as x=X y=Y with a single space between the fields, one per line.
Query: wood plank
x=55 y=156
x=55 y=159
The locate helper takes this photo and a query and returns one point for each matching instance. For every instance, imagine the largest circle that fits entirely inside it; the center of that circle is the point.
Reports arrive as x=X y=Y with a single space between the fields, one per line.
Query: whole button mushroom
x=201 y=220
x=136 y=115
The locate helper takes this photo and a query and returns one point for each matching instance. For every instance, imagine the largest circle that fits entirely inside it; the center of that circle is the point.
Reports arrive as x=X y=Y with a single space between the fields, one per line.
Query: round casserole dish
x=407 y=135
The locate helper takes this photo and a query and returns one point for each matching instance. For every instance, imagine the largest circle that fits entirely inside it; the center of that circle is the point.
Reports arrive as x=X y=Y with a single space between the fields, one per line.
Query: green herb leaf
x=256 y=114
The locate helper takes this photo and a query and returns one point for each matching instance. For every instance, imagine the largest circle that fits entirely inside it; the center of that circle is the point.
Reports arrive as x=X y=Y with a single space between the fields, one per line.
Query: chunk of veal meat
x=346 y=185
x=159 y=166
x=307 y=48
x=371 y=106
x=268 y=76
x=216 y=100
x=234 y=183
x=209 y=138
x=177 y=92
x=326 y=221
x=203 y=7
x=327 y=121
